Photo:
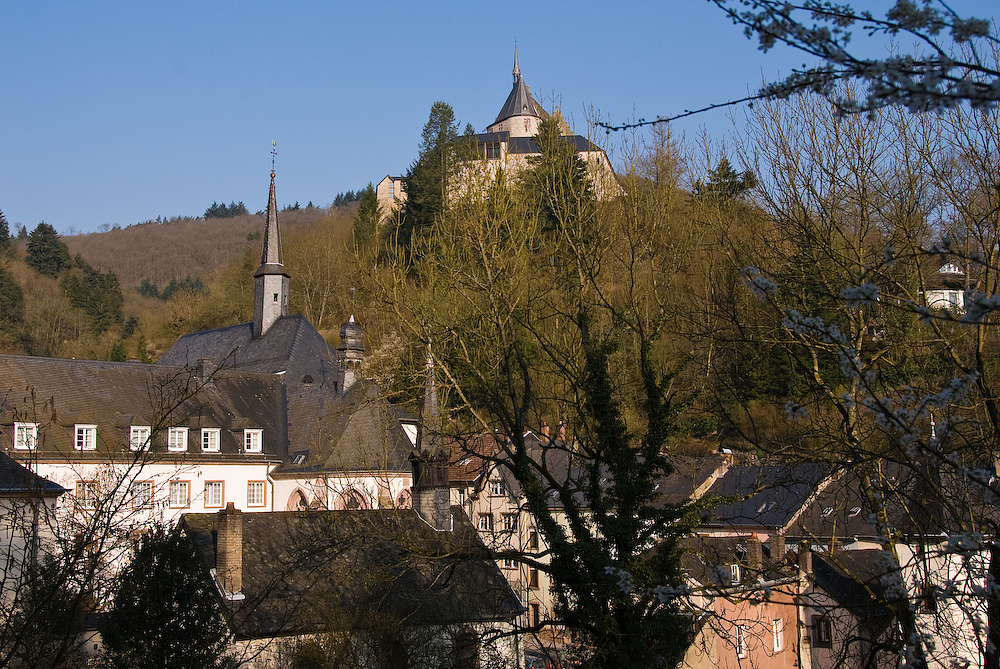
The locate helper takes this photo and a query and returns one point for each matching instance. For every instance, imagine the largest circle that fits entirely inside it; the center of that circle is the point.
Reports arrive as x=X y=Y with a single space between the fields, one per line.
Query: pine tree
x=166 y=611
x=4 y=233
x=47 y=254
x=366 y=220
x=428 y=178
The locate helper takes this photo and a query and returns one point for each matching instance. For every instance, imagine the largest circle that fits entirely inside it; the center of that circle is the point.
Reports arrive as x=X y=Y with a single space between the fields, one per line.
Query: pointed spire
x=430 y=411
x=271 y=253
x=517 y=68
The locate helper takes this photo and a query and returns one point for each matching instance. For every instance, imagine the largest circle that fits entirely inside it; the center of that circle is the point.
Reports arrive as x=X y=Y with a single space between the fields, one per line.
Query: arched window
x=351 y=500
x=404 y=500
x=297 y=501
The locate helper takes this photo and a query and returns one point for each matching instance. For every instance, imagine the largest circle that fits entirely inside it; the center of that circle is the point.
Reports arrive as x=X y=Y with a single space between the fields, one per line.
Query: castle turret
x=520 y=114
x=352 y=352
x=270 y=295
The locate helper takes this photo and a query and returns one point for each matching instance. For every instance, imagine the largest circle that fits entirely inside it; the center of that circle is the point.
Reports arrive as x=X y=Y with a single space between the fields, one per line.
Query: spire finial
x=274 y=152
x=517 y=68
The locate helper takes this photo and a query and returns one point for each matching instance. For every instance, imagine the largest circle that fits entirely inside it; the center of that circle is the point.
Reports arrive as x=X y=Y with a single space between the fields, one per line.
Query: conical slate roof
x=520 y=102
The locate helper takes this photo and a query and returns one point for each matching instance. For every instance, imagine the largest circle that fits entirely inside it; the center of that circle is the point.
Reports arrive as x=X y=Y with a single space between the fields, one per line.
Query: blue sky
x=119 y=112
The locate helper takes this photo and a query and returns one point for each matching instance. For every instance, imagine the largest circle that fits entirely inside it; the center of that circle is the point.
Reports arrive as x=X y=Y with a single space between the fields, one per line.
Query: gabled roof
x=847 y=576
x=357 y=431
x=18 y=480
x=766 y=496
x=58 y=394
x=314 y=571
x=291 y=346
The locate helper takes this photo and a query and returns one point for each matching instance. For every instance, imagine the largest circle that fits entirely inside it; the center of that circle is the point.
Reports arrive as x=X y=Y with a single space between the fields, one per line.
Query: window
x=462 y=497
x=533 y=539
x=210 y=439
x=822 y=631
x=486 y=522
x=508 y=563
x=535 y=618
x=180 y=494
x=177 y=439
x=255 y=493
x=252 y=440
x=25 y=436
x=777 y=631
x=532 y=577
x=497 y=488
x=510 y=522
x=734 y=570
x=86 y=438
x=86 y=494
x=213 y=493
x=142 y=495
x=138 y=437
x=741 y=641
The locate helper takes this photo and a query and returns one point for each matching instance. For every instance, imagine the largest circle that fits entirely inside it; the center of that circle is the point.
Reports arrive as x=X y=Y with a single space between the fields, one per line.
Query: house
x=407 y=587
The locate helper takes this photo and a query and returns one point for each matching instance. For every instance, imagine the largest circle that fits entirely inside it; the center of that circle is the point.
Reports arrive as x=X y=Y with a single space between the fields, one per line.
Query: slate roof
x=358 y=430
x=520 y=103
x=306 y=572
x=767 y=496
x=689 y=476
x=58 y=394
x=707 y=560
x=292 y=347
x=529 y=145
x=847 y=576
x=16 y=479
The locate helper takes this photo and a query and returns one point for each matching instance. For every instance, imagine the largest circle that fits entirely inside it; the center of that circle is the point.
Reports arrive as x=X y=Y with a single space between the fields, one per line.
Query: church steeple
x=517 y=68
x=270 y=295
x=520 y=114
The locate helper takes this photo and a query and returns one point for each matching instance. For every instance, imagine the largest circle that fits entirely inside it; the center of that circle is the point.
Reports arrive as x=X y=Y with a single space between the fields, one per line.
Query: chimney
x=545 y=429
x=755 y=554
x=431 y=492
x=805 y=559
x=777 y=544
x=562 y=430
x=229 y=551
x=206 y=368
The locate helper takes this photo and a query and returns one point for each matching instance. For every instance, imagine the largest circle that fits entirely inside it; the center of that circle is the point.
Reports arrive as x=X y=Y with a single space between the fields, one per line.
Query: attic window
x=827 y=511
x=854 y=512
x=950 y=268
x=307 y=379
x=299 y=458
x=764 y=507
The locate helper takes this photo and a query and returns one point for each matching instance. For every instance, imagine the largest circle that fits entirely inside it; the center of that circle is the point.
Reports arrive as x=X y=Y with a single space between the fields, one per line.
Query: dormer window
x=210 y=439
x=497 y=488
x=177 y=438
x=253 y=440
x=86 y=438
x=138 y=437
x=25 y=436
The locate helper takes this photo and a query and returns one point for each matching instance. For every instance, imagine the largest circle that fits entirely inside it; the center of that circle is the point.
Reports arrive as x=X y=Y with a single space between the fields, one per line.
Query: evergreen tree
x=428 y=178
x=11 y=299
x=4 y=233
x=166 y=611
x=96 y=293
x=557 y=184
x=47 y=254
x=725 y=183
x=366 y=220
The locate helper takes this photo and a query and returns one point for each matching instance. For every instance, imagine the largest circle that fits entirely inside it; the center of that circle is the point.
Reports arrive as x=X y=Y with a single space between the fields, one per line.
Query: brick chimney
x=229 y=551
x=755 y=554
x=431 y=491
x=545 y=429
x=777 y=545
x=805 y=559
x=562 y=430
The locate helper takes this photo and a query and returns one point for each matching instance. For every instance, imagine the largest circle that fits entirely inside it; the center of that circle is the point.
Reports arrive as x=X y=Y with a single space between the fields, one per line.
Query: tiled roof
x=306 y=572
x=58 y=394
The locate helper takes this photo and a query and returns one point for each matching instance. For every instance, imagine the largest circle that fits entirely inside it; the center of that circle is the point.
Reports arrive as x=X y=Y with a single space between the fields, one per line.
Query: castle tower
x=520 y=114
x=270 y=292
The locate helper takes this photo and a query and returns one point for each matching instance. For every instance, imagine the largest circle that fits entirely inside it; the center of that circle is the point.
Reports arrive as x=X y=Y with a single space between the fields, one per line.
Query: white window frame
x=777 y=634
x=139 y=437
x=497 y=488
x=177 y=439
x=486 y=522
x=213 y=500
x=253 y=441
x=86 y=494
x=84 y=437
x=175 y=501
x=25 y=436
x=252 y=499
x=210 y=439
x=741 y=641
x=734 y=573
x=142 y=495
x=509 y=521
